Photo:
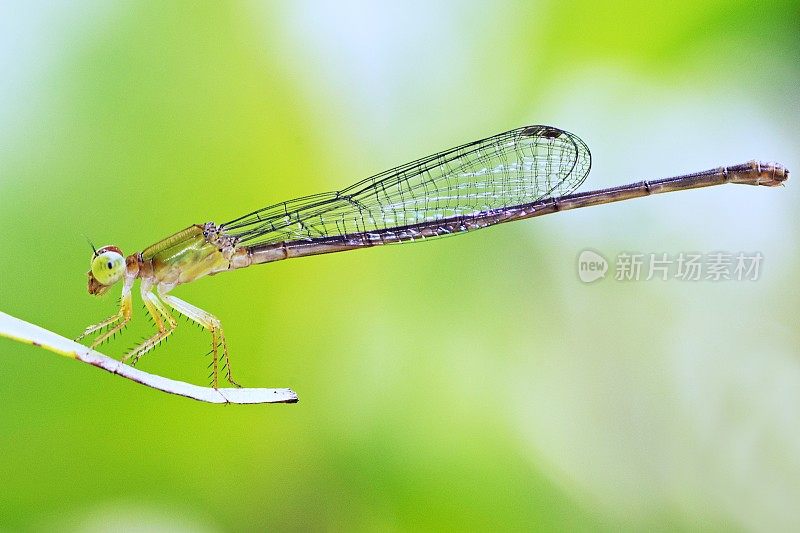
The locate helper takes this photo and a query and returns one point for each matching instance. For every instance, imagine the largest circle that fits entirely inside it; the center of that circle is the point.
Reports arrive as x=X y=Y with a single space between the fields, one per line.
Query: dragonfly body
x=523 y=173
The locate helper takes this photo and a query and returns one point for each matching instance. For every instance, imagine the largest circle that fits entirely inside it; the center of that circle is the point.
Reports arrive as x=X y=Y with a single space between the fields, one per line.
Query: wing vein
x=520 y=166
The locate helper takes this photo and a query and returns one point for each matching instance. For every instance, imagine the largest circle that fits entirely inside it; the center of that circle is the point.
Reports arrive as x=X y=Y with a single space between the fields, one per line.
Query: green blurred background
x=471 y=383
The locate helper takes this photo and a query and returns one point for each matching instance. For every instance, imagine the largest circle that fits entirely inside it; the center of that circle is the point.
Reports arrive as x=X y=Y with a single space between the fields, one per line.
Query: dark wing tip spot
x=550 y=133
x=546 y=132
x=530 y=131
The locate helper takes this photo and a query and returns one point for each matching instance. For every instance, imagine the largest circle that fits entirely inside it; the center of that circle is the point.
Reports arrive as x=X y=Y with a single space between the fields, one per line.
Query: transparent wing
x=517 y=167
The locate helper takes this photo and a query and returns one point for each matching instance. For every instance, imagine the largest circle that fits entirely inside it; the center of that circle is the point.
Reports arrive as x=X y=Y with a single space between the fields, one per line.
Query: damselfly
x=519 y=174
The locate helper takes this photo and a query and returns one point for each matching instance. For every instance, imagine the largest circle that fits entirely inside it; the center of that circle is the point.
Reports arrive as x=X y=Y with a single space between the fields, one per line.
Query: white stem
x=19 y=330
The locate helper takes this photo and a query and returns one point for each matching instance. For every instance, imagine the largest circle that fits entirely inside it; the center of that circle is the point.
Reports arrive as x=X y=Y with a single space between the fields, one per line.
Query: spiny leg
x=121 y=318
x=211 y=323
x=116 y=317
x=158 y=311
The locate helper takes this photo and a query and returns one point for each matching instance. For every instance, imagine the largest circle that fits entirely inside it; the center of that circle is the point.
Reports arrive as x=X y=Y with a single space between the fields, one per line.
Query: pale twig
x=19 y=330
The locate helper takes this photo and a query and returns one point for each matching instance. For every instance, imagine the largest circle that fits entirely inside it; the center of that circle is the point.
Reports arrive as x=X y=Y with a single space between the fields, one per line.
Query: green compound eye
x=108 y=267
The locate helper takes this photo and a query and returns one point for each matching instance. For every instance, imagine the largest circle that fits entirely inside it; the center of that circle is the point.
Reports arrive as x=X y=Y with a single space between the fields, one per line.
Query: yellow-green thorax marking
x=197 y=251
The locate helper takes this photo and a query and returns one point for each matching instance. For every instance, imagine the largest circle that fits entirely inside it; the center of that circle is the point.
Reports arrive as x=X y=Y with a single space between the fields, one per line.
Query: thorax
x=197 y=251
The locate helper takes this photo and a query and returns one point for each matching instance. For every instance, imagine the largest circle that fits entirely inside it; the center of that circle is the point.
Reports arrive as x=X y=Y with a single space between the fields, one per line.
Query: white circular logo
x=591 y=266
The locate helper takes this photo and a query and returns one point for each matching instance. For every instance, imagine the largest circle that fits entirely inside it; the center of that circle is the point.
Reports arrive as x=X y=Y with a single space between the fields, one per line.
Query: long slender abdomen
x=752 y=173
